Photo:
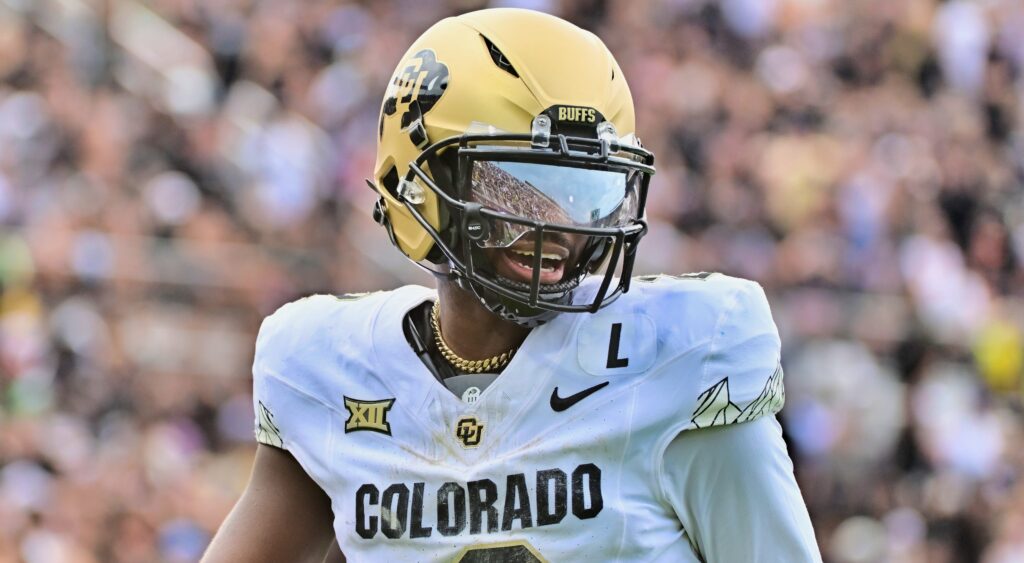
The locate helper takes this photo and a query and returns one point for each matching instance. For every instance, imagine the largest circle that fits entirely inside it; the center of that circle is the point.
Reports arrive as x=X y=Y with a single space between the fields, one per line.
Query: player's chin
x=518 y=266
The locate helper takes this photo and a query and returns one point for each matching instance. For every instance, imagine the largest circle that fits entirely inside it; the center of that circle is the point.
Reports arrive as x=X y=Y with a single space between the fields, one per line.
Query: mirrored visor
x=557 y=195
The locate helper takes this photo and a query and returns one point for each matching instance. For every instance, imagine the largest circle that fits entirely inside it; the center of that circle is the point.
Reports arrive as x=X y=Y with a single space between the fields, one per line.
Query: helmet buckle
x=540 y=131
x=609 y=138
x=411 y=192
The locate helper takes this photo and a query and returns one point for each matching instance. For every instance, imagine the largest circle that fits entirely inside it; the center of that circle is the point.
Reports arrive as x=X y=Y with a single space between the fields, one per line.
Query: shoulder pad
x=728 y=319
x=291 y=390
x=313 y=329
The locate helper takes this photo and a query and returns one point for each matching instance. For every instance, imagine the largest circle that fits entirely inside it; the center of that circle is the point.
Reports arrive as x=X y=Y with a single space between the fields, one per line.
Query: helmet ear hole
x=443 y=170
x=390 y=181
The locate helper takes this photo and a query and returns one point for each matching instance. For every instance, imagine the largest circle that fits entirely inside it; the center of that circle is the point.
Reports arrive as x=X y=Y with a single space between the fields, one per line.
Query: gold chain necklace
x=462 y=364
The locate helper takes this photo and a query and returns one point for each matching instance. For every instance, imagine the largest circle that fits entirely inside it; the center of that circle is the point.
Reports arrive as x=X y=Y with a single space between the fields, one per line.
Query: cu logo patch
x=469 y=431
x=368 y=415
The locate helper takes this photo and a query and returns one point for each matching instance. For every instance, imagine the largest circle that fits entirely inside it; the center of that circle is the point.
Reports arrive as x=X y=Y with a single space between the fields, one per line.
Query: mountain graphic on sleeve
x=266 y=431
x=715 y=408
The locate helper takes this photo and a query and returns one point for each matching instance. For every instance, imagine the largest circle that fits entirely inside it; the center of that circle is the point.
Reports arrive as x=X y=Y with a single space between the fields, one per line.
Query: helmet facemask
x=525 y=218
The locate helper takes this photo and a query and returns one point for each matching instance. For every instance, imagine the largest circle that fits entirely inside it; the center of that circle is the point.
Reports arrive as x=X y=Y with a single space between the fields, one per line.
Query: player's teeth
x=545 y=255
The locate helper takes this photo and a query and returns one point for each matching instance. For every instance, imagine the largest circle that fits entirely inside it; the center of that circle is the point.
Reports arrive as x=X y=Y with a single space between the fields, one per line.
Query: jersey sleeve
x=734 y=492
x=741 y=376
x=287 y=415
x=266 y=392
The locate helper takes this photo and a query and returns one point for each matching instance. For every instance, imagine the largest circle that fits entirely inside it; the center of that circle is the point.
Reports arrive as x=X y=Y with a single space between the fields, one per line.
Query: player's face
x=553 y=195
x=560 y=252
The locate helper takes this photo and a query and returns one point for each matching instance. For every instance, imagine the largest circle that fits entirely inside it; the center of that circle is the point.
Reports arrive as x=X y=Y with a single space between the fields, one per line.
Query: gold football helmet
x=507 y=161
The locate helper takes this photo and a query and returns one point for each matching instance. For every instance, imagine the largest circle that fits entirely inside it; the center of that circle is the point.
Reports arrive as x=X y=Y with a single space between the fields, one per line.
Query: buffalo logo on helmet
x=417 y=87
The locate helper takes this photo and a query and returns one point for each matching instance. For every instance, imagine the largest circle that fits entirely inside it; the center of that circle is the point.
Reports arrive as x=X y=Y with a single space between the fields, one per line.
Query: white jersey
x=560 y=459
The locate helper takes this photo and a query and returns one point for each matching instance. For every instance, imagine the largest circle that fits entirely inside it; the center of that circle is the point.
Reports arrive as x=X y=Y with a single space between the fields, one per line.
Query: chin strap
x=560 y=287
x=496 y=304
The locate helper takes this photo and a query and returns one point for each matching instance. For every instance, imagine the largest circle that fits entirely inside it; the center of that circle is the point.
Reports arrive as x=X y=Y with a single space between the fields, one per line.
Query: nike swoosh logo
x=559 y=404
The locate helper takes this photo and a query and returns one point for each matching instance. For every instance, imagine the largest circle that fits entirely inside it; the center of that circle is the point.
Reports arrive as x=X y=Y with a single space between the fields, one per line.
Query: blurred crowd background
x=173 y=170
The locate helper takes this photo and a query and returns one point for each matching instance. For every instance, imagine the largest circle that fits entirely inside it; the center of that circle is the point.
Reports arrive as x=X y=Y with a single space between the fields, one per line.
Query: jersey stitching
x=622 y=464
x=791 y=508
x=644 y=289
x=658 y=462
x=662 y=364
x=301 y=391
x=661 y=446
x=295 y=448
x=372 y=332
x=727 y=311
x=531 y=399
x=662 y=443
x=337 y=409
x=653 y=372
x=402 y=443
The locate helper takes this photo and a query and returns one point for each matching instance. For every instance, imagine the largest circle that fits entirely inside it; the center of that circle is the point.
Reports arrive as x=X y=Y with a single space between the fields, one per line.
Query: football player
x=541 y=404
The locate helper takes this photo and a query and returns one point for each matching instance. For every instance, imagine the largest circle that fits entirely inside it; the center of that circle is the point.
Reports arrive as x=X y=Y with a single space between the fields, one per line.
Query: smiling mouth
x=516 y=263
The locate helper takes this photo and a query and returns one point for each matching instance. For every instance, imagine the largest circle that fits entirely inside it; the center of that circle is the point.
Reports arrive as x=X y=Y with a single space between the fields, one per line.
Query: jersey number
x=614 y=361
x=505 y=552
